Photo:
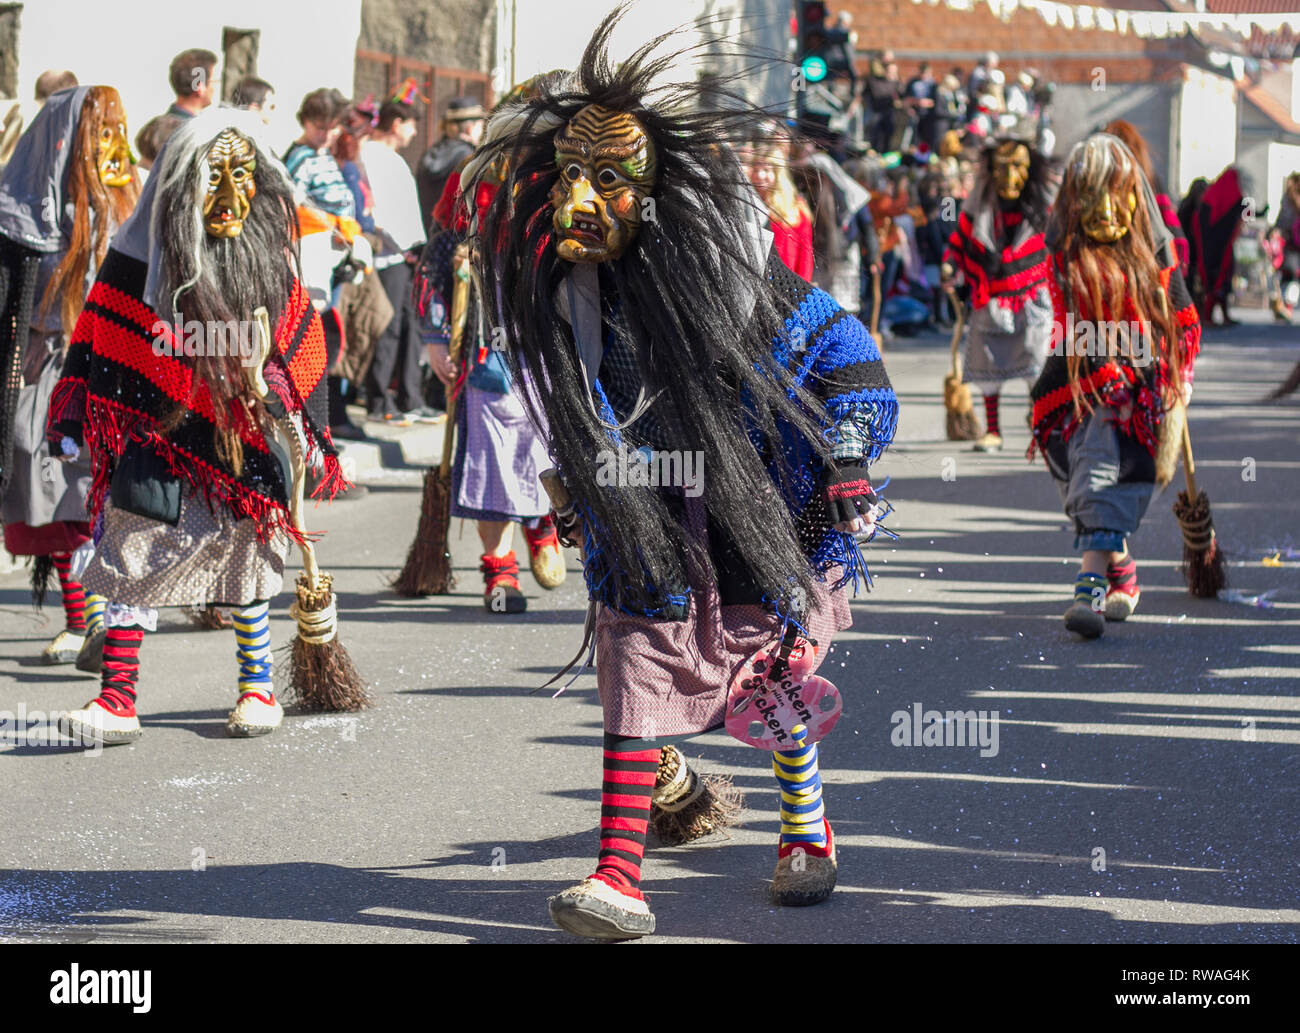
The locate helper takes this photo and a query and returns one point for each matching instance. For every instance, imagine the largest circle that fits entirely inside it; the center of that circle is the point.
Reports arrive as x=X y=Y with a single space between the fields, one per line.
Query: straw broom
x=322 y=676
x=1203 y=564
x=961 y=422
x=428 y=561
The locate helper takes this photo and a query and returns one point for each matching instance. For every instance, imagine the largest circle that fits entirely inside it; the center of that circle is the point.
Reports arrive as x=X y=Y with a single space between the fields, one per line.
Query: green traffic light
x=814 y=68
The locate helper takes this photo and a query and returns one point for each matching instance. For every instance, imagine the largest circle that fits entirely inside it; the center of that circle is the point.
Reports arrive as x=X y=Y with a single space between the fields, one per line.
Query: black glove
x=848 y=493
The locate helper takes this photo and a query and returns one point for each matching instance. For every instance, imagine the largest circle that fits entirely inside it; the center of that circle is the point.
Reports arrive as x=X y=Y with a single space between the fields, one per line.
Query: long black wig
x=689 y=298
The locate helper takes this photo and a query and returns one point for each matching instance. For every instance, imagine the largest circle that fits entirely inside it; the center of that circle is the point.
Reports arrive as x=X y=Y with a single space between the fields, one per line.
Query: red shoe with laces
x=501 y=593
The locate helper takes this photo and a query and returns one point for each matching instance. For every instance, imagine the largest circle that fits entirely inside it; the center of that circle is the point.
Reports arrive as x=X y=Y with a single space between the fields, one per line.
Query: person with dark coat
x=462 y=129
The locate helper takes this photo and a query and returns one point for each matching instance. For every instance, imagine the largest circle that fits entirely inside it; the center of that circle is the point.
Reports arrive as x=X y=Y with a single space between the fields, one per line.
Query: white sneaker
x=63 y=648
x=255 y=714
x=95 y=724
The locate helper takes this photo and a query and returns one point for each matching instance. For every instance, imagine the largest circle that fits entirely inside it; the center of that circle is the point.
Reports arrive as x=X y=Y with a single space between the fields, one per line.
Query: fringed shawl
x=118 y=387
x=1113 y=381
x=829 y=353
x=1009 y=275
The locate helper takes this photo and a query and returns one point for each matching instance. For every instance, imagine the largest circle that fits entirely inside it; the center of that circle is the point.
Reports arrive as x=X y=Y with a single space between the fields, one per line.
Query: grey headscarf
x=33 y=209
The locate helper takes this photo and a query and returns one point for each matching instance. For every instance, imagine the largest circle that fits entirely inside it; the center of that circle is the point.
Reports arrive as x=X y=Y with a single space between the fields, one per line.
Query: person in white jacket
x=394 y=382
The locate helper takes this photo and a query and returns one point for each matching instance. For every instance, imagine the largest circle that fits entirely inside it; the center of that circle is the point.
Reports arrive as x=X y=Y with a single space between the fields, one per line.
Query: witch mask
x=113 y=155
x=607 y=169
x=1107 y=218
x=231 y=162
x=1010 y=169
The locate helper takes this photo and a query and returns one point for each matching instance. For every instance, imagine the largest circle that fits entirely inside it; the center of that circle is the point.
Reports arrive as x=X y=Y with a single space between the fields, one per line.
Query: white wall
x=304 y=44
x=1207 y=128
x=1283 y=159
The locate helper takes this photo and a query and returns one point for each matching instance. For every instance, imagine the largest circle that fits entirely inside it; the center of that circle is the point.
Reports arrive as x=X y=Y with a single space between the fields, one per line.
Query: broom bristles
x=686 y=805
x=717 y=808
x=209 y=618
x=428 y=561
x=322 y=676
x=1203 y=567
x=961 y=424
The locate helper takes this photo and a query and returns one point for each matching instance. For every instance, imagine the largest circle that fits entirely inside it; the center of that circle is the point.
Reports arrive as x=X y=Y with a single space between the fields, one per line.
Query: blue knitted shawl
x=832 y=355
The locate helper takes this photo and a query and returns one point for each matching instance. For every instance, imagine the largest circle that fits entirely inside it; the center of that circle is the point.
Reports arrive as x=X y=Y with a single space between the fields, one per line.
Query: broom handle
x=958 y=325
x=459 y=319
x=295 y=506
x=296 y=460
x=1189 y=465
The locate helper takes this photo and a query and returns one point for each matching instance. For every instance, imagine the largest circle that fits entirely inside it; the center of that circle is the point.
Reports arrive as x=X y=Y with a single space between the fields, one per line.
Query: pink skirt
x=670 y=678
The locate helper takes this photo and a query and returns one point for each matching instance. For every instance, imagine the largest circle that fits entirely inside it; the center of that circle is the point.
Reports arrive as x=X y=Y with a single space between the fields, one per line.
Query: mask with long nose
x=113 y=155
x=607 y=170
x=1010 y=169
x=232 y=160
x=1108 y=218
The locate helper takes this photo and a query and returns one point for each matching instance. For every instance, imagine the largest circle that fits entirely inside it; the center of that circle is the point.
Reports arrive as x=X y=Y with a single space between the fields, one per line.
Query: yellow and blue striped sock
x=801 y=792
x=253 y=647
x=94 y=613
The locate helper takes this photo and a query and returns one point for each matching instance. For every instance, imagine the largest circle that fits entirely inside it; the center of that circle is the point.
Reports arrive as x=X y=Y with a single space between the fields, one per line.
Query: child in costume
x=190 y=488
x=998 y=250
x=1126 y=336
x=636 y=285
x=498 y=451
x=69 y=187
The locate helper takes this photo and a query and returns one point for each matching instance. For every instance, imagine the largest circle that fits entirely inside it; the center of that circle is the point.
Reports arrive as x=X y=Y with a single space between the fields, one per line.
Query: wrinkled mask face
x=1010 y=169
x=1107 y=218
x=230 y=191
x=113 y=155
x=607 y=169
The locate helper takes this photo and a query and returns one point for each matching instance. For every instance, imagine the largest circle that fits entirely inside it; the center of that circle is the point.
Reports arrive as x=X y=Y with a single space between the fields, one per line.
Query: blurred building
x=1202 y=100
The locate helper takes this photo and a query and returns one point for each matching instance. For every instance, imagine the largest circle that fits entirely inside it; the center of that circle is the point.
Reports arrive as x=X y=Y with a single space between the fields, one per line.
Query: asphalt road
x=1143 y=788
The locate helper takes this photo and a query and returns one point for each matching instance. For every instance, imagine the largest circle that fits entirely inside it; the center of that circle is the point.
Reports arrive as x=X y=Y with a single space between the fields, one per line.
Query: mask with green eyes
x=607 y=170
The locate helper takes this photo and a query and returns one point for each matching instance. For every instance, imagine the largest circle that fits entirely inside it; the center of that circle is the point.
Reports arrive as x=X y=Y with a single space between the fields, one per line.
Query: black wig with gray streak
x=223 y=280
x=689 y=300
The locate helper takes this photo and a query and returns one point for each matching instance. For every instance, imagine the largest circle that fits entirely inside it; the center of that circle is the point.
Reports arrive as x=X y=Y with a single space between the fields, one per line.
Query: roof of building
x=1269 y=106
